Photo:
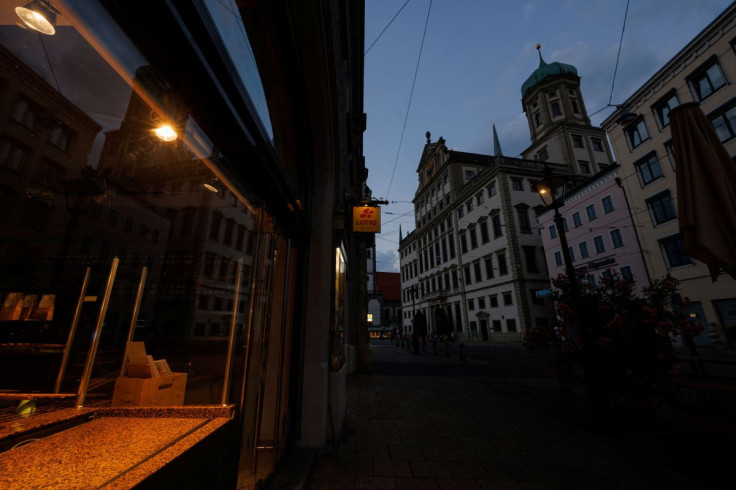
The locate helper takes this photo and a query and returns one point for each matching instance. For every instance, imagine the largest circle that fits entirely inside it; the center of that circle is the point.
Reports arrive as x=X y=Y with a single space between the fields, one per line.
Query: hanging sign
x=367 y=219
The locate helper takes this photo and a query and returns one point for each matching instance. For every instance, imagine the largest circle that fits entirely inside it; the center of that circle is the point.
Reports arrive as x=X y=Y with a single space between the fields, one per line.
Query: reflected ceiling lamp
x=212 y=186
x=165 y=132
x=39 y=15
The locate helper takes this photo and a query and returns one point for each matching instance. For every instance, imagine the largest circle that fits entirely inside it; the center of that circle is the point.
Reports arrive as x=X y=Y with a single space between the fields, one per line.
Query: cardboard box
x=163 y=391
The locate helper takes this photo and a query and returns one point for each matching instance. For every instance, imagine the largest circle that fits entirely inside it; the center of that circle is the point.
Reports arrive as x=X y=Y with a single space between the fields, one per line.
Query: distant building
x=475 y=261
x=600 y=232
x=704 y=71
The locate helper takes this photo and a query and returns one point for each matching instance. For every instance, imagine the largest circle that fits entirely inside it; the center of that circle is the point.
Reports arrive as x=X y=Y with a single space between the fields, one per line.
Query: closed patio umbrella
x=706 y=190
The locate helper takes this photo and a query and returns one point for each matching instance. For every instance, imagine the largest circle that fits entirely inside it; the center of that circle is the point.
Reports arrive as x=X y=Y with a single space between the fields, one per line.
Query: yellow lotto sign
x=367 y=219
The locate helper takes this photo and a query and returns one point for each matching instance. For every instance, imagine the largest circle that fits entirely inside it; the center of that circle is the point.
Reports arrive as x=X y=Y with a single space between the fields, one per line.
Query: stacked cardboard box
x=148 y=382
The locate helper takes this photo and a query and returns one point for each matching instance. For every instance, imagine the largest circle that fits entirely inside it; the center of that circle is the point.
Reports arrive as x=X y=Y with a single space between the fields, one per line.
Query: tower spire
x=496 y=144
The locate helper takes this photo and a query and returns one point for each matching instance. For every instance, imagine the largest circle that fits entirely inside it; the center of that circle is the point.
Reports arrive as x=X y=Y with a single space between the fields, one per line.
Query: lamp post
x=594 y=368
x=548 y=188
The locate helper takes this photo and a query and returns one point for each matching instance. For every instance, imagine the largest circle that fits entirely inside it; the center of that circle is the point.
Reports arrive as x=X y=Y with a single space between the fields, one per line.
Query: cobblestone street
x=470 y=429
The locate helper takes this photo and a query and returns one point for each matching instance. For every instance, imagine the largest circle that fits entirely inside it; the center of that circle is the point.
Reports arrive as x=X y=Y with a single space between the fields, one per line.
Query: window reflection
x=84 y=178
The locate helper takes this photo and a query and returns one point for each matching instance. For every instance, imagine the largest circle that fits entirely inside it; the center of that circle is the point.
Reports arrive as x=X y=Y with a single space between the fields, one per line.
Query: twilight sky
x=476 y=55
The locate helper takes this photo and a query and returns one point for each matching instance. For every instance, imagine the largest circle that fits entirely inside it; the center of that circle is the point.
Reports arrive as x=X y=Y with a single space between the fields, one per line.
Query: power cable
x=620 y=43
x=411 y=95
x=387 y=26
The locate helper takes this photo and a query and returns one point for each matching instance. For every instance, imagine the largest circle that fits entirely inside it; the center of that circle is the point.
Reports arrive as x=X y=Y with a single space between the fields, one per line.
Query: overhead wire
x=387 y=26
x=411 y=96
x=618 y=56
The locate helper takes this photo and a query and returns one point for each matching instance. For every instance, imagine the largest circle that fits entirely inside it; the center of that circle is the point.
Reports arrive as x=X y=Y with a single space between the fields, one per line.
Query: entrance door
x=484 y=329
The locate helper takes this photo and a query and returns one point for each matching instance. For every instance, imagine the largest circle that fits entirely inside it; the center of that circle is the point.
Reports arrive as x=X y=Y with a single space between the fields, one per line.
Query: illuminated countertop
x=117 y=449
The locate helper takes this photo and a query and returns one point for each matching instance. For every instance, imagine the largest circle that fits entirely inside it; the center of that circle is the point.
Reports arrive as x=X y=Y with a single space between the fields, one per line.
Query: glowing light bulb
x=165 y=133
x=38 y=16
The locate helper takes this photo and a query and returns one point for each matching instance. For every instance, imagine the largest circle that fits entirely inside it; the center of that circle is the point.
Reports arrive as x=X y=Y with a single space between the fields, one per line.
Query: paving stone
x=333 y=483
x=467 y=470
x=439 y=454
x=372 y=452
x=374 y=483
x=433 y=469
x=356 y=467
x=453 y=484
x=416 y=484
x=391 y=467
x=404 y=452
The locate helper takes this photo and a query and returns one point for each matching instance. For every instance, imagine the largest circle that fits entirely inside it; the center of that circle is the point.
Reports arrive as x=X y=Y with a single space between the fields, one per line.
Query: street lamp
x=548 y=189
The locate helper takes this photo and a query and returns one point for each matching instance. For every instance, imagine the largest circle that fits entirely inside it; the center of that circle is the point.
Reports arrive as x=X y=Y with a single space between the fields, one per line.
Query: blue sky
x=476 y=55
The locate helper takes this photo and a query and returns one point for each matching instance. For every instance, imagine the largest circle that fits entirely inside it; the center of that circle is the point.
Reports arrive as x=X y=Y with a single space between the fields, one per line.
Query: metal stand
x=72 y=332
x=82 y=392
x=134 y=318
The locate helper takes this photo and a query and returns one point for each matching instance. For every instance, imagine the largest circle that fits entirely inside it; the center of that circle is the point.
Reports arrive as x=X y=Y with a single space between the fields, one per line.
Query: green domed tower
x=559 y=125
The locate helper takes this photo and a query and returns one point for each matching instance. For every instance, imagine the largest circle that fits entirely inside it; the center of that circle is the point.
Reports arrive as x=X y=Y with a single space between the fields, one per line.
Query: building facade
x=475 y=261
x=198 y=204
x=600 y=232
x=704 y=71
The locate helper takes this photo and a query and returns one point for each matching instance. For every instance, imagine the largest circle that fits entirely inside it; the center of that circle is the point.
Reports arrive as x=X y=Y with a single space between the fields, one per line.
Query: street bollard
x=461 y=351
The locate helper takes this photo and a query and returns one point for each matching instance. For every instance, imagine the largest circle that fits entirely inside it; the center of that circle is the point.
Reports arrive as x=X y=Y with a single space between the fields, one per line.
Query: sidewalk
x=433 y=432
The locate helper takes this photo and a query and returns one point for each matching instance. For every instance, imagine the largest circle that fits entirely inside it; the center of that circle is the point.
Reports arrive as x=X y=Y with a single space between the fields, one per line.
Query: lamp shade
x=38 y=15
x=548 y=185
